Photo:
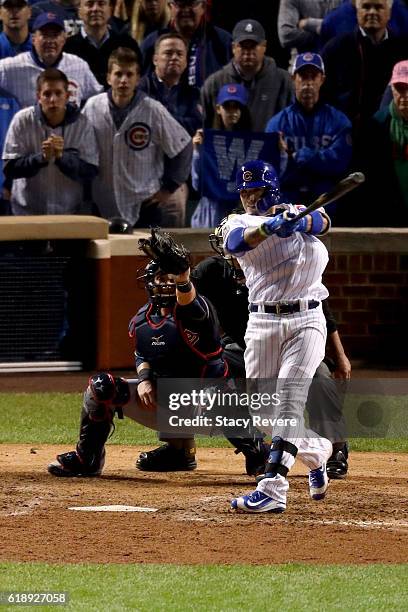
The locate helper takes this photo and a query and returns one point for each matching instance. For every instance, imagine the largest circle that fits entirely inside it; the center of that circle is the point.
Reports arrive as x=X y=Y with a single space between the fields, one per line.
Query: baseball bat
x=347 y=184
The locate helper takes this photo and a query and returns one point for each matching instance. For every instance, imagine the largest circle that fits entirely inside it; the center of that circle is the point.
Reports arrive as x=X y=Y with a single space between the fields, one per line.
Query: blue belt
x=282 y=307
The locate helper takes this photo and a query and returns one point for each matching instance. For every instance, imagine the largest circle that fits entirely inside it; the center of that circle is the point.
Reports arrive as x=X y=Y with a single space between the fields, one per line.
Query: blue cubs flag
x=224 y=152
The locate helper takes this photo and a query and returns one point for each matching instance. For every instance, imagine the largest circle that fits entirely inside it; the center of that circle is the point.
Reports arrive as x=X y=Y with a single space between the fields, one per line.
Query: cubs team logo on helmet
x=258 y=173
x=138 y=136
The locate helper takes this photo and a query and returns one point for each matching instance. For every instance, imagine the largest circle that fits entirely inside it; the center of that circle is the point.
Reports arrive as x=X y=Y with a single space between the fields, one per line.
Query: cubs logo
x=232 y=89
x=247 y=176
x=192 y=337
x=138 y=136
x=307 y=57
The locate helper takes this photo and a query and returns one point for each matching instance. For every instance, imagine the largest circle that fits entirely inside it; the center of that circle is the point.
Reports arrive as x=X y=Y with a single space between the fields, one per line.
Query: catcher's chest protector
x=170 y=349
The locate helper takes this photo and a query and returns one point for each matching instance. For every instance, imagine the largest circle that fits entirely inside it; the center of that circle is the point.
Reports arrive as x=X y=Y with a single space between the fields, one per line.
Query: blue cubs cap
x=45 y=19
x=232 y=93
x=308 y=59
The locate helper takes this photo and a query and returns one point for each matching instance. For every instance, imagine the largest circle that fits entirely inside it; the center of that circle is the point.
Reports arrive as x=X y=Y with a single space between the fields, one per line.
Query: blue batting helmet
x=258 y=173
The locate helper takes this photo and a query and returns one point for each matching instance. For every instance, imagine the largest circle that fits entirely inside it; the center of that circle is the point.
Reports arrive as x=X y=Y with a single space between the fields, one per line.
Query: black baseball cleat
x=166 y=458
x=70 y=464
x=337 y=465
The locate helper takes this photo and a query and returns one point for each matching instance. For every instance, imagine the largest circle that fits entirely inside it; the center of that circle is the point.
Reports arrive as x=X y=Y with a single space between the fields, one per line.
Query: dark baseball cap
x=248 y=29
x=308 y=59
x=232 y=93
x=46 y=19
x=13 y=2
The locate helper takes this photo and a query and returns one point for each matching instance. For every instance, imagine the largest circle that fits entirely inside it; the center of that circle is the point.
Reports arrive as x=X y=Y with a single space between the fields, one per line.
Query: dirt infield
x=364 y=519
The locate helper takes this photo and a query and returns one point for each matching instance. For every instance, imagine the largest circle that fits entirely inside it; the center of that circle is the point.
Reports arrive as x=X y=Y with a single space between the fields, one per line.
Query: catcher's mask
x=255 y=174
x=216 y=241
x=161 y=289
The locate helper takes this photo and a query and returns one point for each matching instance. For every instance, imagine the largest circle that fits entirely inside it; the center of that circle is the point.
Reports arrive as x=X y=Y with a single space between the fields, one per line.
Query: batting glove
x=272 y=225
x=290 y=225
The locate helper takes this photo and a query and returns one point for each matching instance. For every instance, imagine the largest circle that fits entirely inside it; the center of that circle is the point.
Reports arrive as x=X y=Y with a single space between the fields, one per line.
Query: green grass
x=172 y=587
x=53 y=418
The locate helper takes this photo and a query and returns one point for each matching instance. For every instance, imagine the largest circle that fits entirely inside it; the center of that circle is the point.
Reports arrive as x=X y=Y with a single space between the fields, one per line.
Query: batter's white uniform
x=287 y=348
x=49 y=191
x=19 y=74
x=132 y=156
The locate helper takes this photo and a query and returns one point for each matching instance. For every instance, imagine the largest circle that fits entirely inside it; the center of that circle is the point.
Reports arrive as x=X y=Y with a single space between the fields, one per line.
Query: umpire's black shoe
x=337 y=465
x=166 y=458
x=256 y=453
x=71 y=464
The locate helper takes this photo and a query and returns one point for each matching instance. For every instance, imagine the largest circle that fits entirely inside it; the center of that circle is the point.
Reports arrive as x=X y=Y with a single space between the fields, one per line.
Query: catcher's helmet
x=162 y=294
x=257 y=173
x=216 y=241
x=118 y=225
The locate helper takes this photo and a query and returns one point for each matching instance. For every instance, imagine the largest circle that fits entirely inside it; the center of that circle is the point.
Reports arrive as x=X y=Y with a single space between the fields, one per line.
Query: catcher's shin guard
x=104 y=395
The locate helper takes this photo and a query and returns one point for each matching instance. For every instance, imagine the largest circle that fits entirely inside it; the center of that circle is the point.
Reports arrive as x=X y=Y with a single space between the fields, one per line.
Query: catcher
x=177 y=336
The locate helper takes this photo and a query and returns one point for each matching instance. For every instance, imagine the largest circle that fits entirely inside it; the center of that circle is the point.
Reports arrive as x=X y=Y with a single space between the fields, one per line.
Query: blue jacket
x=320 y=150
x=8 y=107
x=182 y=101
x=344 y=19
x=7 y=49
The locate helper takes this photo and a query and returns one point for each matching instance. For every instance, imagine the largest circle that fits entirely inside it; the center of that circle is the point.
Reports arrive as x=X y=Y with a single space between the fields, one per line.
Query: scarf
x=399 y=140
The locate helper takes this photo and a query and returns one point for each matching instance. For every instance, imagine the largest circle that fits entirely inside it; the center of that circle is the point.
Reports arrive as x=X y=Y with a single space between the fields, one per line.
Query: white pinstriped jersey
x=281 y=269
x=132 y=157
x=19 y=74
x=49 y=191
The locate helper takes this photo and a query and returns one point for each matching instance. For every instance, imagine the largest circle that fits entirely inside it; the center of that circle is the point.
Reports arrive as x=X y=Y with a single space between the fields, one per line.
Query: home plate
x=113 y=509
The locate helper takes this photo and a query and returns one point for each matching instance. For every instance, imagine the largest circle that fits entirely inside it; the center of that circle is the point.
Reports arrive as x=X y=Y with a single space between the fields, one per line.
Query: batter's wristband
x=317 y=223
x=263 y=231
x=185 y=287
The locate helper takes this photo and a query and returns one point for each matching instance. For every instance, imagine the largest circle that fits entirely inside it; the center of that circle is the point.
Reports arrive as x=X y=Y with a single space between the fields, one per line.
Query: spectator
x=167 y=86
x=359 y=63
x=145 y=154
x=15 y=37
x=264 y=12
x=50 y=152
x=66 y=10
x=314 y=138
x=299 y=23
x=231 y=114
x=19 y=74
x=148 y=16
x=270 y=88
x=343 y=19
x=209 y=47
x=95 y=42
x=387 y=170
x=8 y=108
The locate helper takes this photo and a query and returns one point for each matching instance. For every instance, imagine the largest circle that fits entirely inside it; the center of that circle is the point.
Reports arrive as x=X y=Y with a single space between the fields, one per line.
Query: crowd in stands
x=144 y=109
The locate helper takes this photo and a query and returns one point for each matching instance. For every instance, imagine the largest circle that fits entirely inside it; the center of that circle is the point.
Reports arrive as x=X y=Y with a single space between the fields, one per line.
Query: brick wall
x=369 y=296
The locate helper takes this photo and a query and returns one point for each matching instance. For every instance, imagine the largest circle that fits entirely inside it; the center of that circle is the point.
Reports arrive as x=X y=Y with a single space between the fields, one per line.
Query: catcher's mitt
x=173 y=258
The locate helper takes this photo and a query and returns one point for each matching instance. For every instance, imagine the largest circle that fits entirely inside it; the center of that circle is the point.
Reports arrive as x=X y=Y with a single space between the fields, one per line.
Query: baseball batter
x=285 y=338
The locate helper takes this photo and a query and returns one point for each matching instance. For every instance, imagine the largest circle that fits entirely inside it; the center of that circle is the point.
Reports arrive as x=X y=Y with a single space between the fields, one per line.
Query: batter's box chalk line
x=367 y=524
x=114 y=508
